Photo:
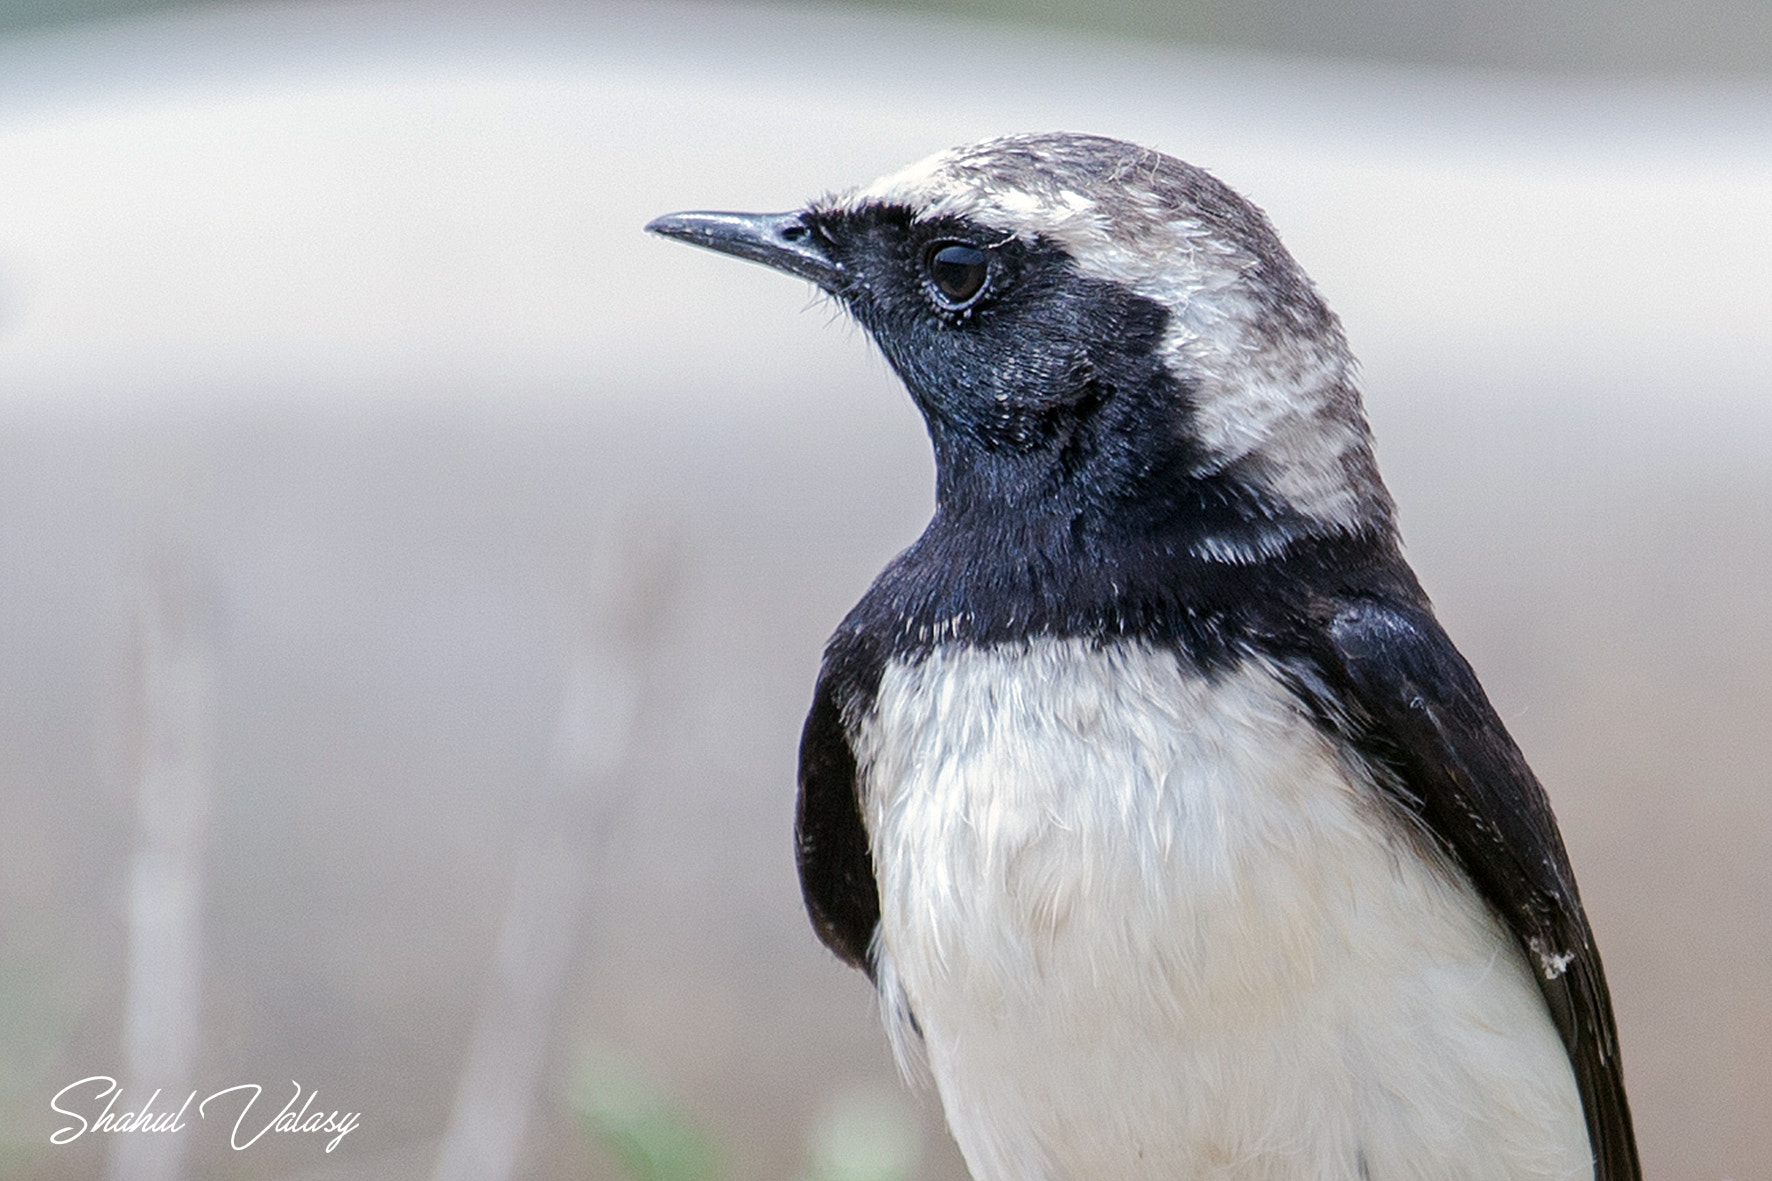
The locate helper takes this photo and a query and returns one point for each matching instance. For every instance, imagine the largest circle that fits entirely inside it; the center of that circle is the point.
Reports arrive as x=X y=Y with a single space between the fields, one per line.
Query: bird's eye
x=957 y=273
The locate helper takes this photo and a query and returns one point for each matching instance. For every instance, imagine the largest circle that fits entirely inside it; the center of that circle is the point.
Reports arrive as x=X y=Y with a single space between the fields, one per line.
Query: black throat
x=1090 y=513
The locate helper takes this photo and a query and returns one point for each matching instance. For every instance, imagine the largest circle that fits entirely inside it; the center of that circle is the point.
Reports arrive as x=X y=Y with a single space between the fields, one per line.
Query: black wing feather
x=831 y=840
x=1402 y=693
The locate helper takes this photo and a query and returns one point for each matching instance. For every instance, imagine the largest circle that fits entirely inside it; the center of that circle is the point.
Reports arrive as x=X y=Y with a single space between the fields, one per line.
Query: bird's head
x=1090 y=327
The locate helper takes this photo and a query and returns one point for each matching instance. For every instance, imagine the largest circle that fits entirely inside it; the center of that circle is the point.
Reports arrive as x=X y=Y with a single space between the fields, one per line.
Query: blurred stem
x=175 y=724
x=573 y=809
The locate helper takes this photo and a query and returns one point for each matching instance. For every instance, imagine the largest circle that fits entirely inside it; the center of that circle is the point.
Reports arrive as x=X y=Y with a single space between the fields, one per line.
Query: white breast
x=1151 y=925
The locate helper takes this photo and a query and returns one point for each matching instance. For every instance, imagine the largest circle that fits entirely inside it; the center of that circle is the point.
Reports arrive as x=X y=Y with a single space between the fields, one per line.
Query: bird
x=1173 y=831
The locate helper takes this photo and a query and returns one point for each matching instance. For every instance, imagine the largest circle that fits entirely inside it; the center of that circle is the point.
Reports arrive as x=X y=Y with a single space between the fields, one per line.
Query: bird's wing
x=1399 y=690
x=831 y=840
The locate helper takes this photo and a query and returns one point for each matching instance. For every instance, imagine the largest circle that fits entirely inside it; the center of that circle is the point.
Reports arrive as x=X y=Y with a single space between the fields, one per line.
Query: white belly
x=1151 y=926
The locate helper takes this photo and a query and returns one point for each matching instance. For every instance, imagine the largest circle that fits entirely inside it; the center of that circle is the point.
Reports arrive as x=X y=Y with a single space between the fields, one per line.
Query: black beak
x=781 y=240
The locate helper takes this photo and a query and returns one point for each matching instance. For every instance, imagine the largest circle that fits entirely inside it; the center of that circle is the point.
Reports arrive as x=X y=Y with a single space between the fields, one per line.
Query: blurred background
x=412 y=577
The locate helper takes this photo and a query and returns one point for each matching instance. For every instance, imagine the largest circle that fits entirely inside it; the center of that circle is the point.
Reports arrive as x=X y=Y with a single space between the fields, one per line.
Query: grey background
x=1632 y=37
x=340 y=314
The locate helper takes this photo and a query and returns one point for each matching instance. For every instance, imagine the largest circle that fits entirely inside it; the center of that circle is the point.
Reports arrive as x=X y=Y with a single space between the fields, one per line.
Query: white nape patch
x=1278 y=400
x=1152 y=925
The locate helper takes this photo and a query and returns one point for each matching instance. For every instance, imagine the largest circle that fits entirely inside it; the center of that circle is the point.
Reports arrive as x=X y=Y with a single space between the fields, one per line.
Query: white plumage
x=1153 y=924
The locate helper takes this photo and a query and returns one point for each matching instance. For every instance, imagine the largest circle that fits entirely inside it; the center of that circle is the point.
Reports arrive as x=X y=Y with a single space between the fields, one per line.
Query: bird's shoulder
x=831 y=841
